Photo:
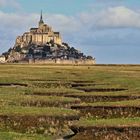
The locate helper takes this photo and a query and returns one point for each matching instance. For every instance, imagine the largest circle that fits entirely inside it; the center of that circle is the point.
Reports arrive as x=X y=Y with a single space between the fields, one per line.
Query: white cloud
x=67 y=24
x=9 y=3
x=88 y=28
x=16 y=21
x=118 y=17
x=115 y=17
x=12 y=25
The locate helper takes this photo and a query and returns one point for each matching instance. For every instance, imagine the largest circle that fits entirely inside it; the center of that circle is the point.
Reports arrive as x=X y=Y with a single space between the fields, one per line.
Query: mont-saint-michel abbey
x=43 y=45
x=40 y=35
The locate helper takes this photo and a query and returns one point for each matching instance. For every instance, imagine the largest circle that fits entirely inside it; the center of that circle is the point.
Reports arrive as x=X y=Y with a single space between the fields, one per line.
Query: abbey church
x=40 y=35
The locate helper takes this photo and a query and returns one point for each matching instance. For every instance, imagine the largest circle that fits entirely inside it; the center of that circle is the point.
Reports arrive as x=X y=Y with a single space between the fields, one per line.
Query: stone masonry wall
x=63 y=62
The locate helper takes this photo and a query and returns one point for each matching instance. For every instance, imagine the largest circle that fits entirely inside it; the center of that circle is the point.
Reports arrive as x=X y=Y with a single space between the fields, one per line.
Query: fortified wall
x=63 y=62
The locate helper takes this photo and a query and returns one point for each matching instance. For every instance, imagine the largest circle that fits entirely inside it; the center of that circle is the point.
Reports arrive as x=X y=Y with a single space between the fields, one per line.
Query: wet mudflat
x=70 y=102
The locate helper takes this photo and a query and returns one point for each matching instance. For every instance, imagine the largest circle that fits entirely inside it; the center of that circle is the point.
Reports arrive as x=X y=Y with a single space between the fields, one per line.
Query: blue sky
x=106 y=29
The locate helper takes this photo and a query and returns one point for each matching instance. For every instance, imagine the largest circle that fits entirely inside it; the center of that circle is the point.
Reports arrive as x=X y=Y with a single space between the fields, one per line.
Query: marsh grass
x=108 y=122
x=18 y=136
x=129 y=103
x=46 y=111
x=51 y=80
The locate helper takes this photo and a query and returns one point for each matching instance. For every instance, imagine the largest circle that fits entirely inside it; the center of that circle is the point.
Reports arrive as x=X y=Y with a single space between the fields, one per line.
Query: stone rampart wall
x=63 y=62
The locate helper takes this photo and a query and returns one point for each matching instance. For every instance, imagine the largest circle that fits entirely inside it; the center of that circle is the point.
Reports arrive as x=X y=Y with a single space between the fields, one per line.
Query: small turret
x=41 y=22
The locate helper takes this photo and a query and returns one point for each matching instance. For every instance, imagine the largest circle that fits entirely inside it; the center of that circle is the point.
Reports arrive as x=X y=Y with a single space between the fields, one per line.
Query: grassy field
x=109 y=122
x=50 y=91
x=18 y=136
x=129 y=103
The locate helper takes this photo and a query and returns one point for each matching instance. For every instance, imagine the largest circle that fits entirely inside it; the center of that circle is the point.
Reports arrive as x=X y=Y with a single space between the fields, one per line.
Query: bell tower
x=41 y=22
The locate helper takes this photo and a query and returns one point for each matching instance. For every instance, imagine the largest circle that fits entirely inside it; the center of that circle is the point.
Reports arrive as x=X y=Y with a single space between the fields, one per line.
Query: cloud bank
x=115 y=26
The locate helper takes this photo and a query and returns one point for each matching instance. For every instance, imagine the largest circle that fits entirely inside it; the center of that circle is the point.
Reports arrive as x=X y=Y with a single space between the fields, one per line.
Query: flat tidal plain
x=45 y=102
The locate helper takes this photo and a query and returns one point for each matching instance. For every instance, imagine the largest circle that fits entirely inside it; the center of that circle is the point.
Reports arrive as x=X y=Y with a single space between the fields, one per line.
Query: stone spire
x=41 y=19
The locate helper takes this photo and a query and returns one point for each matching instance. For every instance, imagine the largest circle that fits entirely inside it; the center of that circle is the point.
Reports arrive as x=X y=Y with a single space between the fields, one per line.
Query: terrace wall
x=108 y=133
